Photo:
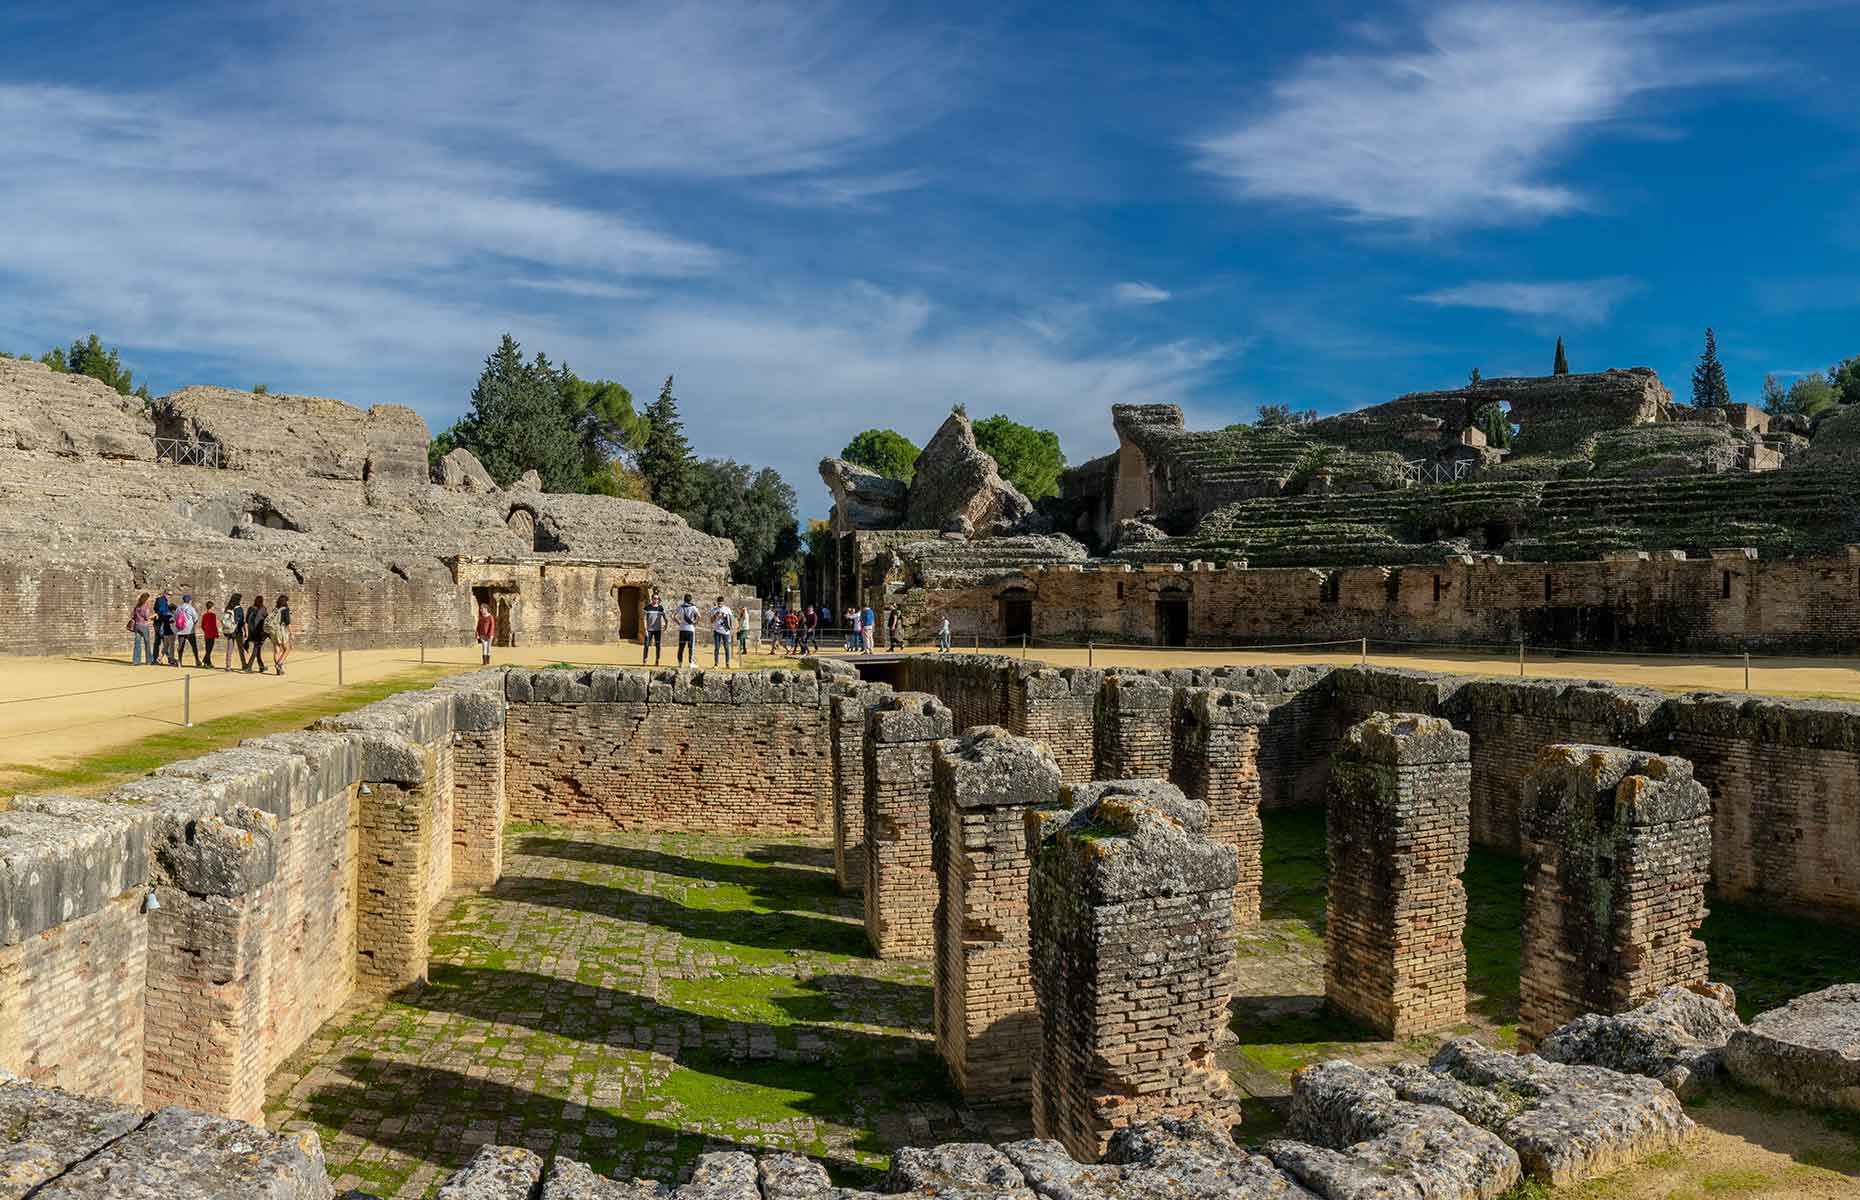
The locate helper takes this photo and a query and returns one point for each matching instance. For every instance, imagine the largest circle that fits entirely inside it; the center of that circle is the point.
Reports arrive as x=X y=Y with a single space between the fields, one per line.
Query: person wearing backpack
x=721 y=619
x=142 y=629
x=281 y=634
x=164 y=629
x=257 y=628
x=687 y=615
x=235 y=631
x=186 y=624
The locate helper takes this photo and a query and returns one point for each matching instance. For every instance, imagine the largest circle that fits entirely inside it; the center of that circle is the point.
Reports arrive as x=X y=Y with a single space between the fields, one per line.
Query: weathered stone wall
x=974 y=687
x=1217 y=764
x=849 y=708
x=279 y=870
x=1132 y=944
x=1395 y=910
x=901 y=734
x=1059 y=708
x=987 y=1026
x=693 y=750
x=1617 y=844
x=1657 y=600
x=1135 y=727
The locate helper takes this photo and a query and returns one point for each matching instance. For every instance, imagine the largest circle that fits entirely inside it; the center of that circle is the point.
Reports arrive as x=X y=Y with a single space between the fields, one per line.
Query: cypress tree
x=665 y=459
x=518 y=422
x=1562 y=360
x=1709 y=388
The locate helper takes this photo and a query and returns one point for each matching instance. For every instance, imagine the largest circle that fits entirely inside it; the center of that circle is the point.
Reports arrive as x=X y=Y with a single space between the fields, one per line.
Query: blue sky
x=823 y=218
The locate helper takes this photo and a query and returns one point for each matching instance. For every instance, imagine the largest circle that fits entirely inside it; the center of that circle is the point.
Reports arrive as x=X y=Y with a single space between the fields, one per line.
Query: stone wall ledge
x=62 y=858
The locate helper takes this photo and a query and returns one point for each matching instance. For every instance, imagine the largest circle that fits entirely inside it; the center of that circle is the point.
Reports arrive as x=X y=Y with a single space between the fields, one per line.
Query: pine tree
x=1775 y=399
x=518 y=422
x=1473 y=377
x=1562 y=360
x=665 y=459
x=1709 y=389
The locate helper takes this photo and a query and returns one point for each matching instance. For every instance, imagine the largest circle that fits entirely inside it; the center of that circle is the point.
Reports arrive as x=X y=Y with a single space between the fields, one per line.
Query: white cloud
x=846 y=191
x=1461 y=124
x=1138 y=292
x=1583 y=301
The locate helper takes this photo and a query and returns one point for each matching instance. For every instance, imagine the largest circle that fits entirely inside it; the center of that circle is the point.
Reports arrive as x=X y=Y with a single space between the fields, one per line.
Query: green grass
x=136 y=759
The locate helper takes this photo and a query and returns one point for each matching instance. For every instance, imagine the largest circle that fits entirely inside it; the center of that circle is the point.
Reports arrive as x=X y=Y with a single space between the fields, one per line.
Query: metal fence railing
x=187 y=454
x=1421 y=471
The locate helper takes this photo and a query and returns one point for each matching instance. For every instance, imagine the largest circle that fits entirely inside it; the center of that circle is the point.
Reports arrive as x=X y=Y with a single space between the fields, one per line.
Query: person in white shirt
x=687 y=615
x=721 y=619
x=942 y=637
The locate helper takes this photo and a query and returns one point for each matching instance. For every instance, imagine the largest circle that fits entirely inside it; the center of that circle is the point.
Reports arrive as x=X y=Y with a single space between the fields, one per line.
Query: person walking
x=235 y=630
x=164 y=629
x=186 y=630
x=210 y=631
x=742 y=637
x=942 y=637
x=687 y=615
x=894 y=629
x=654 y=643
x=483 y=630
x=721 y=619
x=854 y=630
x=142 y=632
x=810 y=633
x=791 y=633
x=257 y=629
x=869 y=625
x=281 y=633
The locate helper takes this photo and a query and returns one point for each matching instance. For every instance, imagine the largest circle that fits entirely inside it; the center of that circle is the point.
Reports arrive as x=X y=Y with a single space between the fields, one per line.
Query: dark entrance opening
x=1172 y=618
x=1497 y=533
x=1016 y=614
x=500 y=601
x=632 y=605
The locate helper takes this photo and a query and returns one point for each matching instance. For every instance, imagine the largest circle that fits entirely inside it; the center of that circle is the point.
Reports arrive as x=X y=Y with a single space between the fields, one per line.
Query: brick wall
x=1395 y=908
x=1135 y=728
x=1617 y=844
x=987 y=1026
x=974 y=687
x=1059 y=707
x=847 y=721
x=1132 y=941
x=1217 y=763
x=693 y=750
x=80 y=983
x=901 y=733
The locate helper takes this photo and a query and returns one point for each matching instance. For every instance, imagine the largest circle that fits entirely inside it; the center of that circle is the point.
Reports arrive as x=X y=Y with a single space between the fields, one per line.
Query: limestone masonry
x=215 y=491
x=167 y=945
x=1614 y=519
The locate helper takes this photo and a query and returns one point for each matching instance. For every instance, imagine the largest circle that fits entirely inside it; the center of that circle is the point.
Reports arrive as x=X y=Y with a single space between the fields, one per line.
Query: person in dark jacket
x=257 y=630
x=235 y=631
x=654 y=643
x=164 y=630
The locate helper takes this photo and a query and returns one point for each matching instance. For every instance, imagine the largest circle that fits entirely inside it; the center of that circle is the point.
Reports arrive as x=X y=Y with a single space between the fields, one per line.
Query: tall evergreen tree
x=665 y=456
x=1562 y=360
x=519 y=421
x=1473 y=377
x=1709 y=388
x=1775 y=399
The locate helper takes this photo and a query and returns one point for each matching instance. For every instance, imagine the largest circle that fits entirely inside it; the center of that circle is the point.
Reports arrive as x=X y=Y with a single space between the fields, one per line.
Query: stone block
x=1678 y=1037
x=213 y=855
x=63 y=858
x=1807 y=1051
x=179 y=1154
x=252 y=775
x=47 y=1131
x=496 y=1173
x=333 y=760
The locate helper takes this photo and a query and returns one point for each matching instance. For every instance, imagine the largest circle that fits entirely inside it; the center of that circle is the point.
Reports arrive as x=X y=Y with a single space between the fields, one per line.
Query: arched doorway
x=631 y=602
x=1172 y=617
x=1016 y=614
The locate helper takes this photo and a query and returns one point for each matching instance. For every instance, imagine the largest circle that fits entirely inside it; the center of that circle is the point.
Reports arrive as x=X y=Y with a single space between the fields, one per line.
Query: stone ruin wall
x=267 y=860
x=317 y=499
x=287 y=875
x=1654 y=600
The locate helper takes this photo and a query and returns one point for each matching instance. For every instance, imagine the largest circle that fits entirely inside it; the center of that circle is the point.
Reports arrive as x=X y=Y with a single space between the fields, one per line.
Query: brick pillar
x=1134 y=734
x=1399 y=829
x=1132 y=942
x=1059 y=707
x=987 y=1025
x=901 y=733
x=204 y=1026
x=1617 y=847
x=846 y=732
x=479 y=804
x=1217 y=763
x=394 y=818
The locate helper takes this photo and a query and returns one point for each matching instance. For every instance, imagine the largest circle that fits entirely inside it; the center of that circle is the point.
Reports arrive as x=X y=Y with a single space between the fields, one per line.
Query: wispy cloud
x=1138 y=292
x=846 y=191
x=1460 y=122
x=1583 y=301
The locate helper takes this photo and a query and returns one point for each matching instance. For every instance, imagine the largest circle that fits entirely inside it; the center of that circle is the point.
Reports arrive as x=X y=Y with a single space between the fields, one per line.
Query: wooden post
x=187 y=701
x=1520 y=658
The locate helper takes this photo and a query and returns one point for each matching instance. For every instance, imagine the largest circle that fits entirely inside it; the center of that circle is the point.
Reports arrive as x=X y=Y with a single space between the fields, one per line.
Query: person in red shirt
x=486 y=627
x=210 y=629
x=790 y=623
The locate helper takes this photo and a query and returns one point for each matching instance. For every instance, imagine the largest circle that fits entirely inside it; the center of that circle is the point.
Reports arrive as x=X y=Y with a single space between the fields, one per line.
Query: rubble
x=1807 y=1051
x=956 y=483
x=1678 y=1037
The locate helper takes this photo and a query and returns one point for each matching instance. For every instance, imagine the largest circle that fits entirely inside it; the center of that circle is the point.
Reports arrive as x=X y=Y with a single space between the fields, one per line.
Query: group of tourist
x=725 y=627
x=161 y=631
x=785 y=631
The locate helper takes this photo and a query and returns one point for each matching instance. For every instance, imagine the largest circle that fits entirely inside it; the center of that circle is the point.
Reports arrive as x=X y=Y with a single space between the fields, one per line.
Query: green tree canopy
x=1491 y=420
x=665 y=458
x=755 y=509
x=886 y=451
x=1844 y=378
x=610 y=432
x=1775 y=398
x=91 y=357
x=1472 y=377
x=518 y=421
x=1029 y=458
x=1709 y=387
x=1811 y=395
x=1561 y=366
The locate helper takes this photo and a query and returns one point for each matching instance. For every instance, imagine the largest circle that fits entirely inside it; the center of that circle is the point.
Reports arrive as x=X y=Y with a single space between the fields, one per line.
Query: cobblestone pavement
x=633 y=1001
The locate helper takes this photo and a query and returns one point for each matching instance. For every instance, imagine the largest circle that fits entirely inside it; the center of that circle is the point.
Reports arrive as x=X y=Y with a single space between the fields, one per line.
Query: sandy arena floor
x=55 y=709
